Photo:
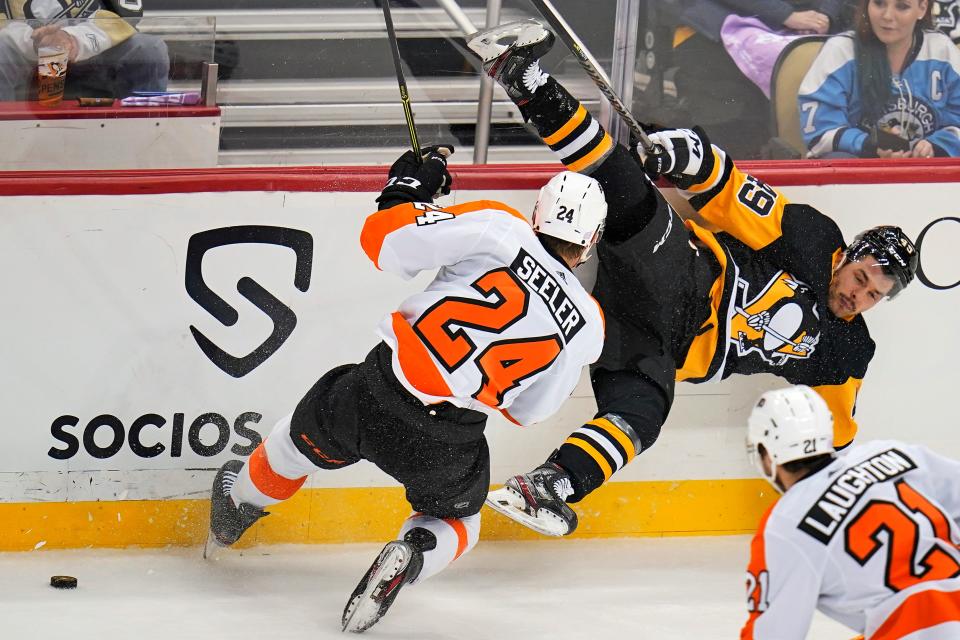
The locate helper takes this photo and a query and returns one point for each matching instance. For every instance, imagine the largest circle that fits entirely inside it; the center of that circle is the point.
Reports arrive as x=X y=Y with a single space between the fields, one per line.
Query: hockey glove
x=538 y=500
x=412 y=181
x=683 y=156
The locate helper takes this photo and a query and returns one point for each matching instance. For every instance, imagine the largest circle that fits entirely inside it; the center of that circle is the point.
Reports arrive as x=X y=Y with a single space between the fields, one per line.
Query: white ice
x=645 y=588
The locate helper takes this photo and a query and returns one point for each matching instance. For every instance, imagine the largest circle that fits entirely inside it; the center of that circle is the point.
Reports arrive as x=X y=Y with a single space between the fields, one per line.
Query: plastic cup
x=51 y=75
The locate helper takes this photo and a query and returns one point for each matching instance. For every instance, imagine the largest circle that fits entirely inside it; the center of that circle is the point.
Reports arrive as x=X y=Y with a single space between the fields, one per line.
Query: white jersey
x=503 y=328
x=870 y=541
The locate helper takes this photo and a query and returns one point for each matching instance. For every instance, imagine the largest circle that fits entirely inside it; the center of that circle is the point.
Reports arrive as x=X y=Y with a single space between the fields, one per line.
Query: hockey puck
x=63 y=582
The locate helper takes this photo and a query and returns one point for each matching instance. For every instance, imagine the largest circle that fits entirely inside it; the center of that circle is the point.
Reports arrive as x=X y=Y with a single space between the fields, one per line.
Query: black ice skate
x=227 y=521
x=516 y=66
x=398 y=563
x=537 y=500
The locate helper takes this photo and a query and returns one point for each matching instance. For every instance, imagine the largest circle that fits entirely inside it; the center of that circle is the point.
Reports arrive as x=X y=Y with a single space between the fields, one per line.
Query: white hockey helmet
x=571 y=207
x=792 y=424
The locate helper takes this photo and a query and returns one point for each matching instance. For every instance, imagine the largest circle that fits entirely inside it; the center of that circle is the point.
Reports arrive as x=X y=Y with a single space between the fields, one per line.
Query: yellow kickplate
x=618 y=509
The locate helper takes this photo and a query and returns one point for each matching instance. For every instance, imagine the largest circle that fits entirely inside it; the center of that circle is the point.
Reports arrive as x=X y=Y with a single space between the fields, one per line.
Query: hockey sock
x=274 y=471
x=567 y=128
x=454 y=536
x=594 y=452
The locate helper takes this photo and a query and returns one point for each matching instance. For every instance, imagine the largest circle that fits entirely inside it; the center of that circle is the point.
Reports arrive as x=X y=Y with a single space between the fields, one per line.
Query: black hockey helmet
x=893 y=251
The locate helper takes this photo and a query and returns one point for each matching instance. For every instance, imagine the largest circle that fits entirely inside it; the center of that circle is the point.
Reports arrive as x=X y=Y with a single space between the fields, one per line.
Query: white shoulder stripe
x=836 y=52
x=939 y=47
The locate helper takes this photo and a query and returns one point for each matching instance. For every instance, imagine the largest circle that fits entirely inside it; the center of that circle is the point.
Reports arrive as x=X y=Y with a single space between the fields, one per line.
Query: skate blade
x=511 y=504
x=211 y=548
x=366 y=611
x=486 y=42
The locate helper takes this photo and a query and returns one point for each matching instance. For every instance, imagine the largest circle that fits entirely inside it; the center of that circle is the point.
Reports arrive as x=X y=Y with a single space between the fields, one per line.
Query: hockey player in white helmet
x=869 y=538
x=503 y=329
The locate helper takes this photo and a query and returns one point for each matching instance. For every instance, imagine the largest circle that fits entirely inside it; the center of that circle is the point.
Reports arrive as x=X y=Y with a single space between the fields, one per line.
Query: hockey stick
x=592 y=67
x=404 y=96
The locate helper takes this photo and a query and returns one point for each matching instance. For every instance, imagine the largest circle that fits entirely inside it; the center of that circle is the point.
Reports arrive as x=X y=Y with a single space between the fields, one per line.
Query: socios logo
x=283 y=318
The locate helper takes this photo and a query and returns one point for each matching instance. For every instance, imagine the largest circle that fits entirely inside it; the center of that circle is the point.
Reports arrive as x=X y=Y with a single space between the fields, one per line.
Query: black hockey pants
x=361 y=411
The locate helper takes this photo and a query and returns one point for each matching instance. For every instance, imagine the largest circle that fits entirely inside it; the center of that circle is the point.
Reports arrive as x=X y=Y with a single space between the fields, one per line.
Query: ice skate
x=516 y=65
x=536 y=500
x=398 y=563
x=227 y=521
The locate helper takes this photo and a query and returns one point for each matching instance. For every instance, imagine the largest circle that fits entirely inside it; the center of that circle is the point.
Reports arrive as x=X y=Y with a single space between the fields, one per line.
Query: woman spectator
x=712 y=91
x=889 y=89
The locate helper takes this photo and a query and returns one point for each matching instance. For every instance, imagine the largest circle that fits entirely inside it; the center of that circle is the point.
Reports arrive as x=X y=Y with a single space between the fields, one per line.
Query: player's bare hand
x=53 y=36
x=923 y=149
x=808 y=21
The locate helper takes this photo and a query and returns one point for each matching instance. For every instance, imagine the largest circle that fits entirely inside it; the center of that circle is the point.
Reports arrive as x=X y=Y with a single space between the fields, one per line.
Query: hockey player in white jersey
x=867 y=537
x=504 y=328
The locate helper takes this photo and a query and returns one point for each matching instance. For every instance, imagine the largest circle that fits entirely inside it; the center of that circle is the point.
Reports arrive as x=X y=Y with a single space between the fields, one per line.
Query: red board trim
x=473 y=177
x=70 y=110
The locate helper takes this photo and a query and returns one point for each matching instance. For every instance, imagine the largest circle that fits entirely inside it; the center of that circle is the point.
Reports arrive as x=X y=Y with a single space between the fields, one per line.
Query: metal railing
x=305 y=102
x=338 y=24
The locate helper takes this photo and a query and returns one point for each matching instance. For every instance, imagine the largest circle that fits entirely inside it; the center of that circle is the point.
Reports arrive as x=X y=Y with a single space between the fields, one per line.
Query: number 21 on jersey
x=905 y=565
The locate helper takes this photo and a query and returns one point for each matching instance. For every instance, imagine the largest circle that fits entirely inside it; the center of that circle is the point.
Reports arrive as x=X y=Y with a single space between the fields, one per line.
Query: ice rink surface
x=656 y=588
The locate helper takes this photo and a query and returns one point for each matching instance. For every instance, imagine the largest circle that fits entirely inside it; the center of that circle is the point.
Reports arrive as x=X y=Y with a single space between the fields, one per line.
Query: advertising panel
x=151 y=337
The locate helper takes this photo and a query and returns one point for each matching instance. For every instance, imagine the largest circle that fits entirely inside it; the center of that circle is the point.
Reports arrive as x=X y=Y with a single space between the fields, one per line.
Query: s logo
x=283 y=318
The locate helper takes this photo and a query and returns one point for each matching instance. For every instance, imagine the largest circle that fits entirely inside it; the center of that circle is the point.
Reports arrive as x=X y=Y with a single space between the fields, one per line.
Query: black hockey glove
x=412 y=181
x=683 y=156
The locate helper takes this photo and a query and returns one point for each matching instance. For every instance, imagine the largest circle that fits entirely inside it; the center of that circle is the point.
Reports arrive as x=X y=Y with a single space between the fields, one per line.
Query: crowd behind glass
x=886 y=82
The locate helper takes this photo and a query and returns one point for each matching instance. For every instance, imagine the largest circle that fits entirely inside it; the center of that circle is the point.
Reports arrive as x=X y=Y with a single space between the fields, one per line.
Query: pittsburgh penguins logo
x=910 y=117
x=49 y=10
x=946 y=17
x=780 y=324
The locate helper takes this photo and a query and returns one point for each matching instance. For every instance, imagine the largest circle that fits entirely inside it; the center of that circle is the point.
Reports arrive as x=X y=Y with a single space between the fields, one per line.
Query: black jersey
x=768 y=307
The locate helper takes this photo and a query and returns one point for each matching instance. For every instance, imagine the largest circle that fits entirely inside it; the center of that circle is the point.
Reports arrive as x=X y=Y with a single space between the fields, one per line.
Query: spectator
x=890 y=88
x=108 y=57
x=711 y=88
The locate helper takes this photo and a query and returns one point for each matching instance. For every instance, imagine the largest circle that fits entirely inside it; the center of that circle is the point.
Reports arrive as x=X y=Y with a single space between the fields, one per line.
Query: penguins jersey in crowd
x=96 y=25
x=946 y=17
x=925 y=102
x=870 y=541
x=768 y=306
x=505 y=327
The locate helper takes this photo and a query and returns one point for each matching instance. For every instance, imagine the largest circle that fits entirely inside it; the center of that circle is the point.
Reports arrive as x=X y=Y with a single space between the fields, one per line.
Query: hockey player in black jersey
x=776 y=290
